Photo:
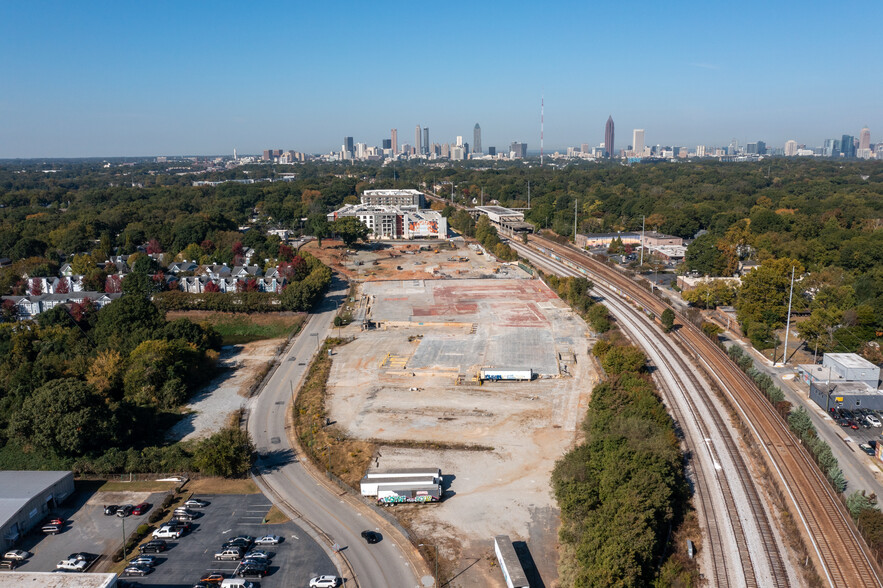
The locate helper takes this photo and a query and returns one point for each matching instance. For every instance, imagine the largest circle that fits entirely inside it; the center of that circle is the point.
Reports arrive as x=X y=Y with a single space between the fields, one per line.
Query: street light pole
x=123 y=519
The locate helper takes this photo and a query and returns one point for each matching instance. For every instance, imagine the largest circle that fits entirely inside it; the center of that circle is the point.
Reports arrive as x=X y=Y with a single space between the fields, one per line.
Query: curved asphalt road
x=382 y=565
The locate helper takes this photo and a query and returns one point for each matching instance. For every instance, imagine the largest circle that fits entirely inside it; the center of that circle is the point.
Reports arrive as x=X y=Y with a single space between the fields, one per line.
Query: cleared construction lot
x=413 y=380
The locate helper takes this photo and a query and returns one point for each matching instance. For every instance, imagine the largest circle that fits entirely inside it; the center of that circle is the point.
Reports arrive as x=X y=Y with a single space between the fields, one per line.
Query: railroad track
x=734 y=560
x=842 y=557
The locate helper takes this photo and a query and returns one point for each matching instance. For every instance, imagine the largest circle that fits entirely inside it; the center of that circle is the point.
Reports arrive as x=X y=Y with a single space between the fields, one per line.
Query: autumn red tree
x=36 y=287
x=113 y=284
x=211 y=287
x=63 y=286
x=153 y=246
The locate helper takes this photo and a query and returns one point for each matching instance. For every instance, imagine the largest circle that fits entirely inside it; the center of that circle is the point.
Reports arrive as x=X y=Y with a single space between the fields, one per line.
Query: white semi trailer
x=510 y=375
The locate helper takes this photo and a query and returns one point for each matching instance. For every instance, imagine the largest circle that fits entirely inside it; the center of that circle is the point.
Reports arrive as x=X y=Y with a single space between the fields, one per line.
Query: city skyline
x=209 y=80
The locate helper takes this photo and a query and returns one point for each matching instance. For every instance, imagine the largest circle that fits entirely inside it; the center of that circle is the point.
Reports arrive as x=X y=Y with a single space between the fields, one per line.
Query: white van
x=236 y=583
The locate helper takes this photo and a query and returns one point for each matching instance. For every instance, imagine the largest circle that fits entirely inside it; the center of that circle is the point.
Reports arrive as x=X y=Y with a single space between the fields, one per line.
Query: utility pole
x=643 y=221
x=788 y=321
x=123 y=519
x=528 y=194
x=575 y=204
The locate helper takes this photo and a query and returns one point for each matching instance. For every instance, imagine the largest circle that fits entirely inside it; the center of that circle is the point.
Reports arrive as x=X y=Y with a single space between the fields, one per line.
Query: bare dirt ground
x=400 y=384
x=211 y=407
x=405 y=261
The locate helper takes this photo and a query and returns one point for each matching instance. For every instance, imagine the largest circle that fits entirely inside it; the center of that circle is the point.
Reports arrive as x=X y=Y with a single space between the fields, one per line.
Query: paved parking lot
x=294 y=561
x=864 y=433
x=87 y=530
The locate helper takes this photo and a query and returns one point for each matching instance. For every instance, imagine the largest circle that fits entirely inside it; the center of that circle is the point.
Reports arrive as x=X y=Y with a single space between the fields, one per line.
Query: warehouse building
x=26 y=498
x=848 y=395
x=511 y=221
x=403 y=485
x=841 y=367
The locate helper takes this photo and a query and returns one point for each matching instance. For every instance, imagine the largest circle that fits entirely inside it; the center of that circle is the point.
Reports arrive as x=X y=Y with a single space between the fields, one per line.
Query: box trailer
x=510 y=565
x=409 y=493
x=373 y=486
x=405 y=473
x=494 y=374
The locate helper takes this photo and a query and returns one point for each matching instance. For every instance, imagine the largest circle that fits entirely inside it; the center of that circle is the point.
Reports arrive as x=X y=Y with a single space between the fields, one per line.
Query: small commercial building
x=26 y=498
x=511 y=221
x=510 y=565
x=651 y=239
x=841 y=367
x=848 y=395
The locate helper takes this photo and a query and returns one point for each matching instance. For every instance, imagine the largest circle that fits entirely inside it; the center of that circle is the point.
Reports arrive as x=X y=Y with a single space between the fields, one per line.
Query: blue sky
x=149 y=78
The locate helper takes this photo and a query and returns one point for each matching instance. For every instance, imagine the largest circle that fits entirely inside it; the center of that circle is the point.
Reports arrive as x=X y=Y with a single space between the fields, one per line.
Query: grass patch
x=222 y=486
x=431 y=445
x=236 y=329
x=275 y=516
x=137 y=486
x=327 y=447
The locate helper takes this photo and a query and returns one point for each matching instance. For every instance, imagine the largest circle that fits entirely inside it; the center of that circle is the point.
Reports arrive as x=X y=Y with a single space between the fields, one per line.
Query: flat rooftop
x=18 y=487
x=847 y=388
x=852 y=360
x=53 y=580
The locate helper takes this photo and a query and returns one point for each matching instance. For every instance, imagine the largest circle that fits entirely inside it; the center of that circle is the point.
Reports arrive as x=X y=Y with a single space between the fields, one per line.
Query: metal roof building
x=26 y=498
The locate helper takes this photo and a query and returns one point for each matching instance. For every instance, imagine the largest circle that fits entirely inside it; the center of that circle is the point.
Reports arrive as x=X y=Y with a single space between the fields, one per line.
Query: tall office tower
x=426 y=140
x=751 y=148
x=638 y=142
x=387 y=143
x=476 y=139
x=348 y=144
x=608 y=137
x=492 y=151
x=584 y=148
x=761 y=148
x=864 y=141
x=847 y=145
x=700 y=151
x=395 y=141
x=459 y=142
x=517 y=150
x=790 y=148
x=417 y=140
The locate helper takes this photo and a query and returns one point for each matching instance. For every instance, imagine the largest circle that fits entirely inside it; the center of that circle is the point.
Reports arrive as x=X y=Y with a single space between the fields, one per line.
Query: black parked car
x=155 y=546
x=111 y=509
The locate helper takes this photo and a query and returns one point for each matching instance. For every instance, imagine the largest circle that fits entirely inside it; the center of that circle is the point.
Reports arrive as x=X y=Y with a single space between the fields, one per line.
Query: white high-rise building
x=700 y=150
x=459 y=140
x=864 y=139
x=790 y=148
x=638 y=142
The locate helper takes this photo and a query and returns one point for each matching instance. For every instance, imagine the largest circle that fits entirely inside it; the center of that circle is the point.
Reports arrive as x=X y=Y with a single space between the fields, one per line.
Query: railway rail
x=841 y=555
x=741 y=546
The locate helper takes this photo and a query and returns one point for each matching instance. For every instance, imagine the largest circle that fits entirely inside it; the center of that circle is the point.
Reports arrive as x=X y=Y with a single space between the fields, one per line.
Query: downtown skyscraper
x=476 y=139
x=425 y=141
x=417 y=148
x=608 y=137
x=395 y=141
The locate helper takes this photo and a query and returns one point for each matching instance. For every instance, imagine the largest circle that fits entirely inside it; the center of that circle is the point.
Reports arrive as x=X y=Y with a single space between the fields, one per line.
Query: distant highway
x=331 y=518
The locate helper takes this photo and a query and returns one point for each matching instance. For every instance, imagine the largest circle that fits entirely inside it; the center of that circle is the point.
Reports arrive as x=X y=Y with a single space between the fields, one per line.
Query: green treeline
x=623 y=489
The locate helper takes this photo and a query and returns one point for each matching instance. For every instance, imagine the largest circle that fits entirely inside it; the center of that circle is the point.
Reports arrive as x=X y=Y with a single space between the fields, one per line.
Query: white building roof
x=851 y=360
x=18 y=487
x=53 y=580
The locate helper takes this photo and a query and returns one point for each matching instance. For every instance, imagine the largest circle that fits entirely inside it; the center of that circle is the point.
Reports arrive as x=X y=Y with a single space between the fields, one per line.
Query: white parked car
x=196 y=503
x=72 y=565
x=873 y=421
x=17 y=554
x=324 y=582
x=268 y=540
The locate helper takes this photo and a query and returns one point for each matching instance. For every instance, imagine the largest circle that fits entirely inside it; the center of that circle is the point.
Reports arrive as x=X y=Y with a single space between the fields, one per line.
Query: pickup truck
x=73 y=565
x=167 y=533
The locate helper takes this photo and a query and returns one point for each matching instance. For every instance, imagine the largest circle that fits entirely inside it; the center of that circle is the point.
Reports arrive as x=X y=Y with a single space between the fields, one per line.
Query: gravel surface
x=212 y=406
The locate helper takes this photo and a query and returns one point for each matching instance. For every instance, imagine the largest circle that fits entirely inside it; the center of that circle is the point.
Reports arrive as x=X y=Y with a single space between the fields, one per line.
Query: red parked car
x=140 y=509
